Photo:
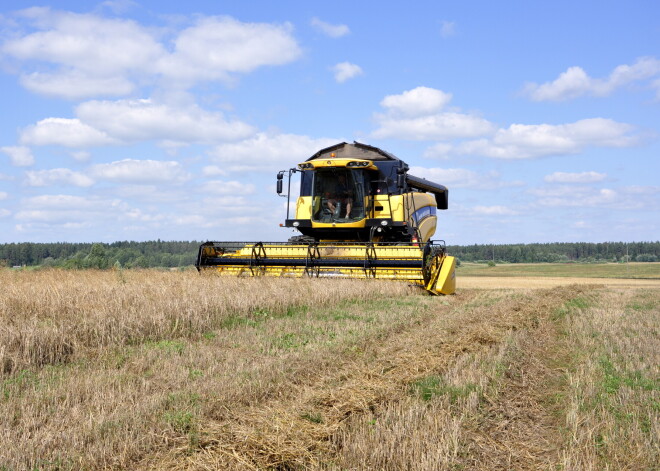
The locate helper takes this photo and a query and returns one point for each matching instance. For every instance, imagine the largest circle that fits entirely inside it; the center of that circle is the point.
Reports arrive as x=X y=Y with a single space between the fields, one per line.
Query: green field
x=579 y=270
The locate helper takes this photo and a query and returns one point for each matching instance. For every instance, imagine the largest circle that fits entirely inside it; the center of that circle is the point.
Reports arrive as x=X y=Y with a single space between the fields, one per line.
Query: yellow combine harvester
x=361 y=215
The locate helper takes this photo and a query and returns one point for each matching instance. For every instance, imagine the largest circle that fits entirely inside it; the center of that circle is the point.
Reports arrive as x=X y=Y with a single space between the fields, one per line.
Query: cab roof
x=357 y=150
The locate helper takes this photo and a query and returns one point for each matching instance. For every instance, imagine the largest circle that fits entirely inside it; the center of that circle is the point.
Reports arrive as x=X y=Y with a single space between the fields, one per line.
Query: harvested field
x=153 y=370
x=537 y=282
x=569 y=270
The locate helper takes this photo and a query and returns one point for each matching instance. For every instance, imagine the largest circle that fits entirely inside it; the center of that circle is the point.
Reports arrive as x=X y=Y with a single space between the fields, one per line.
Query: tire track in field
x=299 y=430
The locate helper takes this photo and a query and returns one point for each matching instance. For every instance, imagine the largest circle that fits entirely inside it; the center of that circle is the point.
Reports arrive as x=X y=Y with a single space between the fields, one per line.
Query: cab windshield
x=338 y=195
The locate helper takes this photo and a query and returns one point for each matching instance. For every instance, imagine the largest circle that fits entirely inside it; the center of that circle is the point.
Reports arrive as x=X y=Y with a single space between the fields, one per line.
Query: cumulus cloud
x=73 y=85
x=213 y=171
x=102 y=123
x=334 y=31
x=437 y=126
x=495 y=210
x=624 y=198
x=136 y=120
x=85 y=51
x=58 y=176
x=64 y=209
x=75 y=56
x=462 y=178
x=217 y=46
x=20 y=156
x=3 y=195
x=526 y=141
x=419 y=114
x=582 y=177
x=140 y=171
x=267 y=152
x=64 y=132
x=81 y=155
x=419 y=101
x=575 y=82
x=222 y=187
x=345 y=71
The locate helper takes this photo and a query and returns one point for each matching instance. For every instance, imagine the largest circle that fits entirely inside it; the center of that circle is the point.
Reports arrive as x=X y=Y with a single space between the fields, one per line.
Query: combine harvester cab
x=360 y=215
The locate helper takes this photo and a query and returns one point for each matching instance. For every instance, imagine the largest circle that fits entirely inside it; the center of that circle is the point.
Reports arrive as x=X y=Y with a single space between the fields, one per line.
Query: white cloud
x=268 y=152
x=140 y=171
x=462 y=178
x=417 y=115
x=3 y=195
x=81 y=155
x=437 y=126
x=69 y=202
x=419 y=101
x=136 y=120
x=625 y=198
x=575 y=82
x=345 y=71
x=75 y=56
x=582 y=177
x=64 y=132
x=87 y=52
x=217 y=46
x=71 y=213
x=447 y=29
x=20 y=156
x=213 y=171
x=220 y=187
x=525 y=141
x=4 y=212
x=334 y=31
x=73 y=85
x=495 y=210
x=153 y=193
x=58 y=176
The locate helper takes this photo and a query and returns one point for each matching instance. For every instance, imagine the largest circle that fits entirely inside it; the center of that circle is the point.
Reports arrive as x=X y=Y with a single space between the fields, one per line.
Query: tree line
x=558 y=252
x=125 y=254
x=157 y=253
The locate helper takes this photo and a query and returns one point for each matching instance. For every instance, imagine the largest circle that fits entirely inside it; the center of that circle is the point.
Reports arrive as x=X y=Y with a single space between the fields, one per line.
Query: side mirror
x=279 y=183
x=400 y=178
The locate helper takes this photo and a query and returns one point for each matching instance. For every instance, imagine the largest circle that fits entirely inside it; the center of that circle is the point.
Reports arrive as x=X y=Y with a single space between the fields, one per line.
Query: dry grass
x=100 y=368
x=545 y=282
x=49 y=315
x=153 y=370
x=574 y=270
x=613 y=411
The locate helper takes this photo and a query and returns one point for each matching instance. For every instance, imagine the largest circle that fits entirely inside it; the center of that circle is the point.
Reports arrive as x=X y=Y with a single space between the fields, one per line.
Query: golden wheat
x=172 y=370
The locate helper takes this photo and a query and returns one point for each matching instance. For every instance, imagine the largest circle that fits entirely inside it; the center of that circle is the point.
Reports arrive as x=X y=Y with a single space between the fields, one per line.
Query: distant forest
x=558 y=252
x=183 y=253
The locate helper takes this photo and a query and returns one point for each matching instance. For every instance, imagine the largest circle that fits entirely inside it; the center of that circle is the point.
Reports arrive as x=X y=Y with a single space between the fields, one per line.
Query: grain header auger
x=360 y=215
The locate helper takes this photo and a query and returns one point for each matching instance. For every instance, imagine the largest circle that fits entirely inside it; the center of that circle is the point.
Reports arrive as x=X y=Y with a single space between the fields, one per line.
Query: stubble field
x=173 y=370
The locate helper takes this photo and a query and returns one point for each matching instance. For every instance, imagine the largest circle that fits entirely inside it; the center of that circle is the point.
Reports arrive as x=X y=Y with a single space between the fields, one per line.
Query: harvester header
x=360 y=215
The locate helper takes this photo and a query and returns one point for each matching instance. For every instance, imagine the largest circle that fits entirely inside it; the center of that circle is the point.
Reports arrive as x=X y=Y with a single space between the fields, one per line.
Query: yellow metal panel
x=335 y=162
x=304 y=207
x=427 y=228
x=446 y=283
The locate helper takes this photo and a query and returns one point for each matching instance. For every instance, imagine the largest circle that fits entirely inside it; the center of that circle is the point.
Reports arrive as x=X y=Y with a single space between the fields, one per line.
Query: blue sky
x=128 y=120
